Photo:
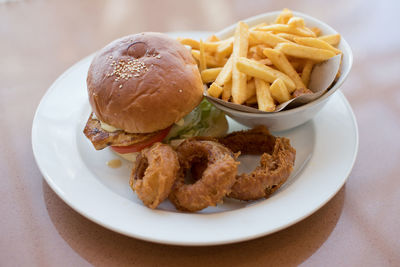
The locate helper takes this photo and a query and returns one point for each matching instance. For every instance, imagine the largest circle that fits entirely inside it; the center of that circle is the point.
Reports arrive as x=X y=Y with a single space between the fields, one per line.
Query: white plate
x=326 y=151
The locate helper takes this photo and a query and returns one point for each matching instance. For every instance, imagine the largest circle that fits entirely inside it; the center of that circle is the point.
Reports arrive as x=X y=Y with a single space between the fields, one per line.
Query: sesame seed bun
x=143 y=83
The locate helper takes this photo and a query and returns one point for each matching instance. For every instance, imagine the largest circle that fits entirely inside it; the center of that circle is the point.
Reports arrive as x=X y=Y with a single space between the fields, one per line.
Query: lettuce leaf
x=204 y=120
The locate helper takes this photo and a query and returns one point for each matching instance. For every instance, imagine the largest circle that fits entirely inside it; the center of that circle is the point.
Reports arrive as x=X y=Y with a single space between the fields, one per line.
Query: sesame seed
x=120 y=86
x=180 y=90
x=125 y=70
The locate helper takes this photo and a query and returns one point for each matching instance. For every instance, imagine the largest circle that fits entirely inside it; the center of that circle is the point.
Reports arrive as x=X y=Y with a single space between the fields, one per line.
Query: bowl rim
x=346 y=50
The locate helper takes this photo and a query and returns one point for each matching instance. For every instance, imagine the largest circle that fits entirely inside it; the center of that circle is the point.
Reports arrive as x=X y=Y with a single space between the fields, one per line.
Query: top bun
x=143 y=83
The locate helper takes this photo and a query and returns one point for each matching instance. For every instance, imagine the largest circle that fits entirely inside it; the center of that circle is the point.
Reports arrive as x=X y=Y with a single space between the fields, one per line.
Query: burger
x=146 y=88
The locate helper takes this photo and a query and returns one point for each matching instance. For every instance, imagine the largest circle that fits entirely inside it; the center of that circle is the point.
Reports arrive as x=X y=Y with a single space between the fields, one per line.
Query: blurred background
x=40 y=39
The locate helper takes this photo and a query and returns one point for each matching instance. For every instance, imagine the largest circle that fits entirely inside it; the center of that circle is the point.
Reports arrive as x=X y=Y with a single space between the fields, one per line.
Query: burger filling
x=102 y=138
x=204 y=120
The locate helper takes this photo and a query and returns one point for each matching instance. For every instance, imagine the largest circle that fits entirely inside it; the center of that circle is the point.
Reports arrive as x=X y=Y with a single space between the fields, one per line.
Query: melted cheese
x=181 y=122
x=108 y=127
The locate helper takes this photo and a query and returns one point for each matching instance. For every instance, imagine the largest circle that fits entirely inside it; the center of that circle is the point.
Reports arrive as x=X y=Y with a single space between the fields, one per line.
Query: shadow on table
x=103 y=247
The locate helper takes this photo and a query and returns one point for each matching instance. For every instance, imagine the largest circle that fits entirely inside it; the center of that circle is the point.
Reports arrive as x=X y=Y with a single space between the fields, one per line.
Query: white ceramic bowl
x=288 y=119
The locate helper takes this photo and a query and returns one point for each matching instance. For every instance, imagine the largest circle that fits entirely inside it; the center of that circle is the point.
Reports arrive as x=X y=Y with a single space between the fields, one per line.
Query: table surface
x=41 y=39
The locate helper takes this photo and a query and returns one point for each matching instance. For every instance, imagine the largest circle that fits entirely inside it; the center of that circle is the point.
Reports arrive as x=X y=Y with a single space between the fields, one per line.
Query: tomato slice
x=139 y=146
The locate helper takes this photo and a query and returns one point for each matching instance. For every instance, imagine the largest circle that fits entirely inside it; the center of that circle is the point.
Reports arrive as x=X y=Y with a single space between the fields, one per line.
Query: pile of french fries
x=265 y=65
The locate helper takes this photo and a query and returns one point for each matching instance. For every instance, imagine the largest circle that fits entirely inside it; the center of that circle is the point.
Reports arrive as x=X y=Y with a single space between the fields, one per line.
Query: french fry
x=265 y=64
x=251 y=89
x=252 y=100
x=216 y=61
x=259 y=50
x=208 y=46
x=253 y=55
x=212 y=46
x=225 y=74
x=297 y=64
x=240 y=46
x=288 y=29
x=306 y=73
x=287 y=36
x=279 y=91
x=260 y=37
x=225 y=48
x=213 y=38
x=307 y=52
x=196 y=54
x=257 y=26
x=227 y=91
x=202 y=60
x=317 y=43
x=256 y=52
x=209 y=75
x=284 y=16
x=211 y=61
x=264 y=98
x=332 y=39
x=258 y=70
x=281 y=62
x=190 y=42
x=316 y=30
x=215 y=90
x=265 y=61
x=296 y=22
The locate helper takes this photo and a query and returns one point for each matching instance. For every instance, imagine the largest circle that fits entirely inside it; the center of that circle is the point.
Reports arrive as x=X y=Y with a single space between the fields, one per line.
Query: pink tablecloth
x=40 y=39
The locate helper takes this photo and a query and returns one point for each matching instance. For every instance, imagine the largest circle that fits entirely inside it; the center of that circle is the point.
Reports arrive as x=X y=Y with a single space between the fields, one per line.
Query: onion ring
x=276 y=162
x=154 y=174
x=213 y=168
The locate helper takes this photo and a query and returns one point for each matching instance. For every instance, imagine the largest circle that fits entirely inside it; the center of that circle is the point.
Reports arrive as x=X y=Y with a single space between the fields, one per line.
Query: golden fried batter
x=213 y=167
x=254 y=141
x=276 y=162
x=154 y=174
